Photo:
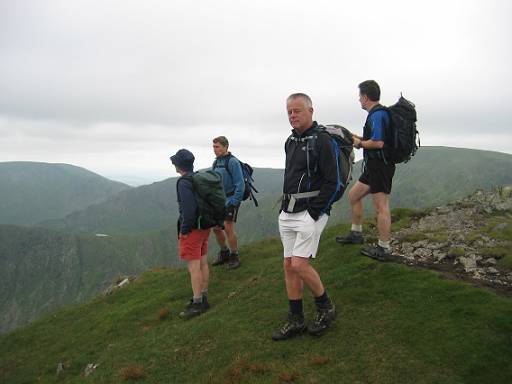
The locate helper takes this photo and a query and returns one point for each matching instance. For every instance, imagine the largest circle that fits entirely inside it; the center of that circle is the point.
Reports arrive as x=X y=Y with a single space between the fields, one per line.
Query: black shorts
x=231 y=213
x=378 y=175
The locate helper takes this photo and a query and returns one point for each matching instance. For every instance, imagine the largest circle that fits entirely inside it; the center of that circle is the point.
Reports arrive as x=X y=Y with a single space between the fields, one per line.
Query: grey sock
x=197 y=300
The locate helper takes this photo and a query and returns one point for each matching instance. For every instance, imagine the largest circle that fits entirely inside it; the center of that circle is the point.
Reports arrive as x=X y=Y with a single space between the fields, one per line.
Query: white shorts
x=300 y=233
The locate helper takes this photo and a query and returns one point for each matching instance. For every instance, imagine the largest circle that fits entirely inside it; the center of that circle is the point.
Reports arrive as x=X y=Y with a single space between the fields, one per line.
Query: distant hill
x=31 y=192
x=41 y=269
x=154 y=206
x=395 y=324
x=434 y=176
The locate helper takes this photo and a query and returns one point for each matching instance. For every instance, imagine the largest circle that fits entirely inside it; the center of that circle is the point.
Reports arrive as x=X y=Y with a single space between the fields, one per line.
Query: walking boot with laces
x=377 y=252
x=324 y=317
x=293 y=327
x=234 y=261
x=192 y=310
x=222 y=257
x=353 y=237
x=206 y=304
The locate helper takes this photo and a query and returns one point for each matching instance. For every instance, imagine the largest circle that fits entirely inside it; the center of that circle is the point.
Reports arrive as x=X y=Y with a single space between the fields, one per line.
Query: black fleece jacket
x=322 y=164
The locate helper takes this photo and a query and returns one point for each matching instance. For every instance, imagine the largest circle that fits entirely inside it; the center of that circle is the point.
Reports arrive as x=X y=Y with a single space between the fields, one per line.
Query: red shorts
x=195 y=245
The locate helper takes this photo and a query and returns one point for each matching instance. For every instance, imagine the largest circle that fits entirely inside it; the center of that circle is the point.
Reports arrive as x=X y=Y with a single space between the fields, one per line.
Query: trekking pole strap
x=293 y=197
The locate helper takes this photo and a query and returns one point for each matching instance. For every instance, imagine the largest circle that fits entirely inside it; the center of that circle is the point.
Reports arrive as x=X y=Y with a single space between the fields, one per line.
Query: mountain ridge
x=33 y=191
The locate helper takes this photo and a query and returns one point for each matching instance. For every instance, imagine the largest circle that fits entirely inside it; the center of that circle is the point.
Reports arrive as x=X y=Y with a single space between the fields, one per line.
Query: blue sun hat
x=183 y=159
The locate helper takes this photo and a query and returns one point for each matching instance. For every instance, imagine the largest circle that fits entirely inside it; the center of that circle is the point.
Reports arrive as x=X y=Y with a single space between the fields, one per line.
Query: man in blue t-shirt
x=232 y=176
x=377 y=175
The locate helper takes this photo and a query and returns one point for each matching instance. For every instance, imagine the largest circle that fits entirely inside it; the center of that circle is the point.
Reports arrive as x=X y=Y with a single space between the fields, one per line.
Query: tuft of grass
x=319 y=360
x=132 y=372
x=456 y=252
x=413 y=237
x=163 y=313
x=287 y=377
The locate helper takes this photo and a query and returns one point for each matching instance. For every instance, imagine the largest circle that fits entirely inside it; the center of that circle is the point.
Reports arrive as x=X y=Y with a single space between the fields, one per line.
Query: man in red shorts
x=193 y=242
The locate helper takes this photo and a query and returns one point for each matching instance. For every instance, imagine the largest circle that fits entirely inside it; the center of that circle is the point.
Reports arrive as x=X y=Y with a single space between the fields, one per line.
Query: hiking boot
x=222 y=257
x=206 y=304
x=377 y=252
x=192 y=310
x=234 y=261
x=324 y=317
x=353 y=237
x=293 y=327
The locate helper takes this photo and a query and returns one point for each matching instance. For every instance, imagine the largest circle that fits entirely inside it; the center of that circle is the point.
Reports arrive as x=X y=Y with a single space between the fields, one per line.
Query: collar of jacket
x=375 y=108
x=307 y=132
x=224 y=156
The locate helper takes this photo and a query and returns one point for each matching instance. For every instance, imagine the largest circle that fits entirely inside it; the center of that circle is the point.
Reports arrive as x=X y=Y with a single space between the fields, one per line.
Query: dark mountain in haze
x=32 y=192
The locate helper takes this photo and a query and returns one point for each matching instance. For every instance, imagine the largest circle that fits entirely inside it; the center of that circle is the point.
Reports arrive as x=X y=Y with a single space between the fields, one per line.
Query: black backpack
x=210 y=198
x=400 y=144
x=341 y=139
x=247 y=172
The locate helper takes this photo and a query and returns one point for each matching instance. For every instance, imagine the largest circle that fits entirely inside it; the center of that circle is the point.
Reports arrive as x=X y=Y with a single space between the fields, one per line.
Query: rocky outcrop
x=459 y=237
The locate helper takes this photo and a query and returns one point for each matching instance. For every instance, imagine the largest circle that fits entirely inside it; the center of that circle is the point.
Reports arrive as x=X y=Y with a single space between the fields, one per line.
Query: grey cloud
x=96 y=78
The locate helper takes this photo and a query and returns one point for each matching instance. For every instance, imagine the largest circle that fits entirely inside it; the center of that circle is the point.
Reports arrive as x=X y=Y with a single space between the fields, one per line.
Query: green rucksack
x=210 y=198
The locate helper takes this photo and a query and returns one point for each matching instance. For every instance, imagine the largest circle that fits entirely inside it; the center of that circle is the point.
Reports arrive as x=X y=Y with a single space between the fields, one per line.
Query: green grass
x=395 y=325
x=502 y=252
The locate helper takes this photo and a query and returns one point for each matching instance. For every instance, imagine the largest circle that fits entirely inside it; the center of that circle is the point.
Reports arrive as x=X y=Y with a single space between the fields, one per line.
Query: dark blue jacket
x=187 y=205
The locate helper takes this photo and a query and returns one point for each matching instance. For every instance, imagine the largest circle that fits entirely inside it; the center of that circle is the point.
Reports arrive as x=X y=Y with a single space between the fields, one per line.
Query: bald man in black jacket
x=309 y=189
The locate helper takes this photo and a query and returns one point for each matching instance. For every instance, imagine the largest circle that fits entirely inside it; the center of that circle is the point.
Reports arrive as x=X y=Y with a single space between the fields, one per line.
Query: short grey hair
x=302 y=96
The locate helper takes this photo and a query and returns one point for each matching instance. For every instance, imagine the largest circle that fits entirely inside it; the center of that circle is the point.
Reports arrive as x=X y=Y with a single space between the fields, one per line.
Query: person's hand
x=357 y=142
x=183 y=235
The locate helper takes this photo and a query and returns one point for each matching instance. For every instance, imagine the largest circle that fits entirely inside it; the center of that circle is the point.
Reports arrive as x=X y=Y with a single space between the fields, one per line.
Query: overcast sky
x=118 y=86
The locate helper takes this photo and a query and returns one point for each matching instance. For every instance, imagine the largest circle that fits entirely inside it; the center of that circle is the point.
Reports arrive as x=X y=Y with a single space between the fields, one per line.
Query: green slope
x=41 y=269
x=32 y=192
x=395 y=325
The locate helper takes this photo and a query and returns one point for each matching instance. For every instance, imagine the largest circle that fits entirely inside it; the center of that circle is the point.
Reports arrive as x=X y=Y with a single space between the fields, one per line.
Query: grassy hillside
x=33 y=192
x=41 y=269
x=395 y=325
x=434 y=176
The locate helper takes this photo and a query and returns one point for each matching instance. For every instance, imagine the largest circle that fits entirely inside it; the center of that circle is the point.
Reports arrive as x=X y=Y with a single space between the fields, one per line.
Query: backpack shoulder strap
x=226 y=164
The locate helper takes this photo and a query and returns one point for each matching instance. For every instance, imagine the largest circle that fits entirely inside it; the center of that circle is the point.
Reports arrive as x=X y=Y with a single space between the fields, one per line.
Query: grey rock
x=90 y=369
x=489 y=261
x=506 y=192
x=439 y=256
x=423 y=253
x=500 y=227
x=469 y=263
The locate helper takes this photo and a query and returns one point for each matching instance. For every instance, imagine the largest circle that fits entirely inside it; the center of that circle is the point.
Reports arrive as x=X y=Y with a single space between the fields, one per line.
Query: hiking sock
x=204 y=293
x=323 y=300
x=197 y=300
x=384 y=244
x=296 y=307
x=357 y=227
